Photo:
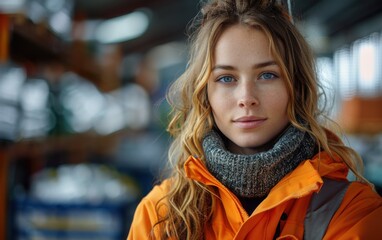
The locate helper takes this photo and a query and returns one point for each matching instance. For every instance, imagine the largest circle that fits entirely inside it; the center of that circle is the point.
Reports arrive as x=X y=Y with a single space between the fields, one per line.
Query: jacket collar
x=303 y=180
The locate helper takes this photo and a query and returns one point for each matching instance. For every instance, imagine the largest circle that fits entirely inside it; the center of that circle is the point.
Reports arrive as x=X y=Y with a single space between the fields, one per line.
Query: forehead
x=239 y=43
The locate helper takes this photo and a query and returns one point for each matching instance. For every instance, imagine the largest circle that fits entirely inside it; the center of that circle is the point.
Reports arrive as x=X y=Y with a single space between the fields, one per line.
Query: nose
x=247 y=95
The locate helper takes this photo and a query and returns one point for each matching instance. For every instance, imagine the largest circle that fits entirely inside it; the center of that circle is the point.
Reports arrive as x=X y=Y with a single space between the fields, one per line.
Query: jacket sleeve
x=143 y=221
x=145 y=215
x=359 y=216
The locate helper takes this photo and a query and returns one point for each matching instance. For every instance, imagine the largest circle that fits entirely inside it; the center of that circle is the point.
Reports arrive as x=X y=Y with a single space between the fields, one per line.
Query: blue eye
x=226 y=79
x=268 y=75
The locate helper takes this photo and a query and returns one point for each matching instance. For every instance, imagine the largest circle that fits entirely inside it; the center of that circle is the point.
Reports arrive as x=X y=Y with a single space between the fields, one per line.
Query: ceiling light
x=11 y=5
x=122 y=28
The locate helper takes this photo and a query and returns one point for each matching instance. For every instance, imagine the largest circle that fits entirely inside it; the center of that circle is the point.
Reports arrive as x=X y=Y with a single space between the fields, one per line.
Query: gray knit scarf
x=255 y=175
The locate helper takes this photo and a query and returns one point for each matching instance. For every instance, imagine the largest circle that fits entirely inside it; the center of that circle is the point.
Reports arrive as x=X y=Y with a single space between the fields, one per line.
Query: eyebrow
x=258 y=65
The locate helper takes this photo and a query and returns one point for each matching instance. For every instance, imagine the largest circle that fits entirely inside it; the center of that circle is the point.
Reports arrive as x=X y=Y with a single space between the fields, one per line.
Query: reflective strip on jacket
x=358 y=217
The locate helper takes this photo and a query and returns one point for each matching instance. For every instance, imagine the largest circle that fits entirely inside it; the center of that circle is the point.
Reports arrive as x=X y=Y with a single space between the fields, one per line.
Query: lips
x=249 y=121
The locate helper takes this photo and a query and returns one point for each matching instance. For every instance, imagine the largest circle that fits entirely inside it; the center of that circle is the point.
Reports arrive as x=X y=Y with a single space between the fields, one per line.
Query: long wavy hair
x=189 y=204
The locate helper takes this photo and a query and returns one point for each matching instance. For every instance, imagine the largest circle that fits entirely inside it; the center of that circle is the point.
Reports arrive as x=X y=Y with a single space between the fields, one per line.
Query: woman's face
x=247 y=95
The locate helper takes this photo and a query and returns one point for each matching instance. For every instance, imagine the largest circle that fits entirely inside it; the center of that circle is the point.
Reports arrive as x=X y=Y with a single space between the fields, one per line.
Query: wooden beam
x=4 y=38
x=4 y=164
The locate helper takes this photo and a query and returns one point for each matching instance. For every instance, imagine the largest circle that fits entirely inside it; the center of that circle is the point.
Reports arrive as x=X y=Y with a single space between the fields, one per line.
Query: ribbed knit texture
x=255 y=175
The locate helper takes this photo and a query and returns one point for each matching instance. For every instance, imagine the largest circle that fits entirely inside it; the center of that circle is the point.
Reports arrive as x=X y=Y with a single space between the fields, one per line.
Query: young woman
x=251 y=156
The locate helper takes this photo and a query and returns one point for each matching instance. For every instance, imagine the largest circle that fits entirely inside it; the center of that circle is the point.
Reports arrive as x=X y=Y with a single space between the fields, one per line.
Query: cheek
x=280 y=102
x=274 y=98
x=218 y=101
x=216 y=105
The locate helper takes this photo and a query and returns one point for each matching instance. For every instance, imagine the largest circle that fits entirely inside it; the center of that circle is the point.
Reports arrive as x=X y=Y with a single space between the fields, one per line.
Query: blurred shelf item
x=79 y=60
x=75 y=201
x=38 y=219
x=36 y=43
x=362 y=115
x=33 y=217
x=34 y=46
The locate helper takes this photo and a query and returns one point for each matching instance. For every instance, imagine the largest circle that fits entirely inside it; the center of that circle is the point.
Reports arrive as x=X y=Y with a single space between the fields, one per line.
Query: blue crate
x=34 y=219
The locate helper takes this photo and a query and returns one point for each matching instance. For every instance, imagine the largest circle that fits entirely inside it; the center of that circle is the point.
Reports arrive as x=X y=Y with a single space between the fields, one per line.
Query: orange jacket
x=358 y=217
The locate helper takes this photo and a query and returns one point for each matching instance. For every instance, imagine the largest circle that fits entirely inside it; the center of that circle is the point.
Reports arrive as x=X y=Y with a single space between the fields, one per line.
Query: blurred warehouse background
x=82 y=110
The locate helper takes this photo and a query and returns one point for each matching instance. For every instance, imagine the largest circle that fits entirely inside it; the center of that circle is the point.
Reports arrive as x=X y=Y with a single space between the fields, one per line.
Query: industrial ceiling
x=334 y=22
